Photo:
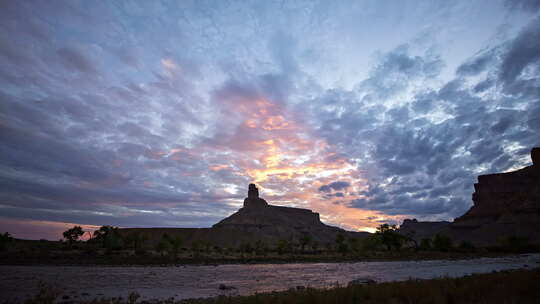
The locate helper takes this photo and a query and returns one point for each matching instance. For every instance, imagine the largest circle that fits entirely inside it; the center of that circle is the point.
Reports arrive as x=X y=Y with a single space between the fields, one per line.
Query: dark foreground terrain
x=520 y=286
x=126 y=258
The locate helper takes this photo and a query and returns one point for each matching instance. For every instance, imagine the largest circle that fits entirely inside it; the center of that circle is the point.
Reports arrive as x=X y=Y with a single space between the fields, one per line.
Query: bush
x=72 y=235
x=341 y=246
x=163 y=246
x=466 y=246
x=5 y=241
x=283 y=246
x=305 y=239
x=109 y=238
x=425 y=244
x=372 y=242
x=176 y=244
x=246 y=247
x=354 y=244
x=390 y=237
x=516 y=243
x=442 y=242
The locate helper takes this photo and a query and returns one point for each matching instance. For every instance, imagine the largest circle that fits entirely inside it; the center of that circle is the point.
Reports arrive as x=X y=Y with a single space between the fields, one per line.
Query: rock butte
x=256 y=220
x=505 y=204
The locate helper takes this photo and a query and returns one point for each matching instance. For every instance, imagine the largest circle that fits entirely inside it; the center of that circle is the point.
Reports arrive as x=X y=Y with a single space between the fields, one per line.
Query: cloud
x=163 y=115
x=339 y=185
x=422 y=155
x=526 y=5
x=75 y=59
x=523 y=53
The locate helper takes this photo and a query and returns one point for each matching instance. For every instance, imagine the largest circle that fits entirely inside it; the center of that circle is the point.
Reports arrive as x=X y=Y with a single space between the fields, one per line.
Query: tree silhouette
x=390 y=237
x=176 y=243
x=72 y=235
x=354 y=244
x=134 y=239
x=283 y=246
x=260 y=247
x=5 y=239
x=109 y=237
x=305 y=240
x=341 y=246
x=163 y=246
x=425 y=244
x=442 y=242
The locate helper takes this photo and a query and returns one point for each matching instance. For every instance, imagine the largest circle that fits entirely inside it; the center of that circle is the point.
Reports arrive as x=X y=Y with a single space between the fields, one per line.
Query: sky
x=160 y=113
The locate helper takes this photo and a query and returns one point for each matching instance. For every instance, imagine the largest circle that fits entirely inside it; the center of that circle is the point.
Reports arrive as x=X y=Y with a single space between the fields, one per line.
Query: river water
x=20 y=282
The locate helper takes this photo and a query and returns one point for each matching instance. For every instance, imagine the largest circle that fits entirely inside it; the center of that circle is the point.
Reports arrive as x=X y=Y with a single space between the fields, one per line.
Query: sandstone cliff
x=505 y=205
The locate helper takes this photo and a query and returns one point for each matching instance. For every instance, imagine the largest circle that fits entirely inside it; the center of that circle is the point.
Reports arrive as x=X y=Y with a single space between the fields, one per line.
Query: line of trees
x=386 y=238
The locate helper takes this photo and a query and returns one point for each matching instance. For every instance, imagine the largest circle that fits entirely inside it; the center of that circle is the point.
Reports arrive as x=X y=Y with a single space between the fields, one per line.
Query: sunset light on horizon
x=159 y=114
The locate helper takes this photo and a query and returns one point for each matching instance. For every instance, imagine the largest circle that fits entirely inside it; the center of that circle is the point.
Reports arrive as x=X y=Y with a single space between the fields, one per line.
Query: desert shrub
x=341 y=246
x=197 y=247
x=260 y=247
x=389 y=237
x=134 y=240
x=305 y=239
x=283 y=246
x=442 y=242
x=466 y=246
x=108 y=237
x=246 y=247
x=425 y=244
x=163 y=245
x=5 y=241
x=355 y=244
x=133 y=297
x=72 y=235
x=371 y=243
x=47 y=294
x=516 y=243
x=176 y=244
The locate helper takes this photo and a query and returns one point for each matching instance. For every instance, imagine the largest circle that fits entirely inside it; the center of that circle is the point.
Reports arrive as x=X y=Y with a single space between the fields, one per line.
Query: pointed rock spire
x=253 y=192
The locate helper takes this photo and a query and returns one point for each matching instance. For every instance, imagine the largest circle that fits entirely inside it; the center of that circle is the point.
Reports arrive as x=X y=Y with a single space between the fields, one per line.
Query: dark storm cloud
x=526 y=5
x=75 y=59
x=523 y=52
x=80 y=146
x=143 y=113
x=477 y=64
x=397 y=69
x=339 y=185
x=426 y=169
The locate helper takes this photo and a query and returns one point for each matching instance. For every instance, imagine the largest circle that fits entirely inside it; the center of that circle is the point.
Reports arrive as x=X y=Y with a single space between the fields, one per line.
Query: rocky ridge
x=270 y=222
x=255 y=221
x=505 y=205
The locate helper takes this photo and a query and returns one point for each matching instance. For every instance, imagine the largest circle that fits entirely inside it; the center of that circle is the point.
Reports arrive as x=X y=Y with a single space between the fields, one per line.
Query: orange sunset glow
x=137 y=114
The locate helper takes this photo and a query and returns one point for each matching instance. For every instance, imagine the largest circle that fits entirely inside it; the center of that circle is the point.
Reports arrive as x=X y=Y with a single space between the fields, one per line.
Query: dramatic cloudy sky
x=147 y=113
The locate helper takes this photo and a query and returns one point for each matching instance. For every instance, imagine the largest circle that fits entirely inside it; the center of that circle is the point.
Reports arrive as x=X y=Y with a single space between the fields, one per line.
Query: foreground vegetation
x=520 y=286
x=107 y=246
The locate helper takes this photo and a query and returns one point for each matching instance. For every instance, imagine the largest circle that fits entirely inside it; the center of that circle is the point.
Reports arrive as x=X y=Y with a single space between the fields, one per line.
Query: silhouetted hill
x=255 y=221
